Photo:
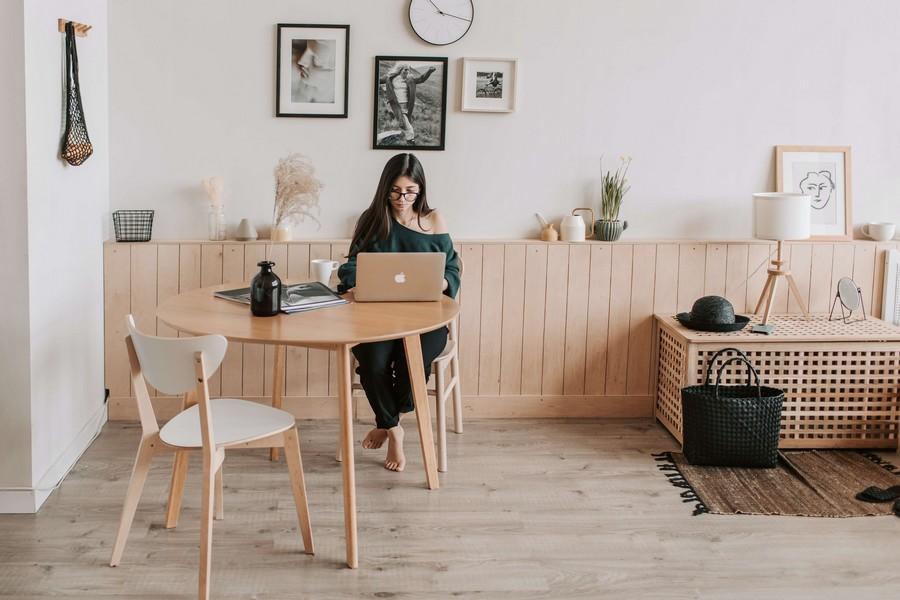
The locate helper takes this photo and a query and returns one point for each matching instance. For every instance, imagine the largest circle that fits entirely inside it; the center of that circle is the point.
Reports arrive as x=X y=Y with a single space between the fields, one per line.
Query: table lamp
x=780 y=216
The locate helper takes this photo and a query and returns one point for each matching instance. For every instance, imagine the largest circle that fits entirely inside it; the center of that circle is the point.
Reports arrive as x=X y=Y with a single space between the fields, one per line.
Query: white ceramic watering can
x=573 y=227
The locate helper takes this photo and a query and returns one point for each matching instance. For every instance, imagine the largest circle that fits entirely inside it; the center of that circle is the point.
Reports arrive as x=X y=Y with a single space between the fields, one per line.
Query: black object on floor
x=877 y=494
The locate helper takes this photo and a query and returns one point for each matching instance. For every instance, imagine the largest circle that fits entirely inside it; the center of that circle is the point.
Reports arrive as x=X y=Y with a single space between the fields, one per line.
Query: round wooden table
x=335 y=328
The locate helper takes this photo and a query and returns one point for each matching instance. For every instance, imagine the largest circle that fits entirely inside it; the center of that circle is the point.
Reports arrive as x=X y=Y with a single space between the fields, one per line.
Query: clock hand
x=436 y=7
x=446 y=14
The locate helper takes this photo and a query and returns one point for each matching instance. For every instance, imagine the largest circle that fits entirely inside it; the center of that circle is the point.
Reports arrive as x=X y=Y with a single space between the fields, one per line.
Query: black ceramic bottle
x=265 y=291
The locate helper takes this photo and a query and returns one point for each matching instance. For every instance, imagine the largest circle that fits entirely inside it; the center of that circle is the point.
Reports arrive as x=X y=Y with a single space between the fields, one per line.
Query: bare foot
x=395 y=459
x=375 y=439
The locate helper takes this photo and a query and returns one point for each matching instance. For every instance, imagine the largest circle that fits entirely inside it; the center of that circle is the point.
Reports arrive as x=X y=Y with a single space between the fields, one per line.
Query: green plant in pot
x=613 y=188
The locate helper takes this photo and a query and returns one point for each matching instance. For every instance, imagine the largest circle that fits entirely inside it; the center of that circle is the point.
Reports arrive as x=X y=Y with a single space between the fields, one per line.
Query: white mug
x=322 y=268
x=880 y=232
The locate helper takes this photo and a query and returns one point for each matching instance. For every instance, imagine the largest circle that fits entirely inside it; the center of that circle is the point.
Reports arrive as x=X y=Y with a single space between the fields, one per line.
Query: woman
x=398 y=220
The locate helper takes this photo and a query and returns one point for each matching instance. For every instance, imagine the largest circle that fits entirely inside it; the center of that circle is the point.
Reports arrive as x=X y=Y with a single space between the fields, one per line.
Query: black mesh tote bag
x=76 y=145
x=731 y=425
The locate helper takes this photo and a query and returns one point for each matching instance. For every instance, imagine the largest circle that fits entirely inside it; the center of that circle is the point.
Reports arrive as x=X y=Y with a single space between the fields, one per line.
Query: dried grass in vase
x=296 y=192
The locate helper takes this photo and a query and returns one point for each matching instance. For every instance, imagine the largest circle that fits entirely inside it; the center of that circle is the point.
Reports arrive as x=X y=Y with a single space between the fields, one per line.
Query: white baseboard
x=30 y=500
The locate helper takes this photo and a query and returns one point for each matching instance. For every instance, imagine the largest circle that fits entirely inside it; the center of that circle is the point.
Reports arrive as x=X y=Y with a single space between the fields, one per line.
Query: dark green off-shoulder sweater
x=404 y=239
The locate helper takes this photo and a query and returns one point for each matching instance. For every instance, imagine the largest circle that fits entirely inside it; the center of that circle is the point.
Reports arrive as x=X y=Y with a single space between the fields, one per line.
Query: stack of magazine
x=299 y=297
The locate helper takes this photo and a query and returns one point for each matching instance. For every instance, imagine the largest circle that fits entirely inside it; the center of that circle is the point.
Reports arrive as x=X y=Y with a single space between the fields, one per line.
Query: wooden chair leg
x=176 y=488
x=206 y=523
x=298 y=486
x=457 y=394
x=135 y=486
x=220 y=496
x=440 y=397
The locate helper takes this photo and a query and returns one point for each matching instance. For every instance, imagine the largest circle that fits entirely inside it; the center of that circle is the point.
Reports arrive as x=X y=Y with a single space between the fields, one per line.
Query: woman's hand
x=446 y=285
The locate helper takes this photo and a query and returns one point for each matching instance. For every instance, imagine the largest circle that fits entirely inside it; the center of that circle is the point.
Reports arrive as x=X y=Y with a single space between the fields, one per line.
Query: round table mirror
x=848 y=292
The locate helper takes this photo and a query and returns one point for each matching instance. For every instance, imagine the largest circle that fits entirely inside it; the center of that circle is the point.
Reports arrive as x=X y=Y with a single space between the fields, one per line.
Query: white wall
x=57 y=215
x=15 y=429
x=697 y=91
x=66 y=215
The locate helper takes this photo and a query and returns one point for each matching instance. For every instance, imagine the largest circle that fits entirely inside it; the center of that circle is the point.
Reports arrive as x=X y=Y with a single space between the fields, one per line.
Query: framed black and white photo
x=410 y=103
x=489 y=84
x=312 y=72
x=822 y=173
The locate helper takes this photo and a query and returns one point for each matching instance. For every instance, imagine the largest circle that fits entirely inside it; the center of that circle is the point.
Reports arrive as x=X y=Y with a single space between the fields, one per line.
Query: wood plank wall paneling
x=545 y=329
x=533 y=309
x=513 y=325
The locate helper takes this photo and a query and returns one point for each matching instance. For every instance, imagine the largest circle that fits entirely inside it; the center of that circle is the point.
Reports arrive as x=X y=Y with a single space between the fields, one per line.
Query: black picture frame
x=283 y=111
x=382 y=106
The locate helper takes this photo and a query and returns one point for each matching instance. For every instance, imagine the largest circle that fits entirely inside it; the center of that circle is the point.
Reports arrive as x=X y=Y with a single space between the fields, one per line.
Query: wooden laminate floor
x=530 y=509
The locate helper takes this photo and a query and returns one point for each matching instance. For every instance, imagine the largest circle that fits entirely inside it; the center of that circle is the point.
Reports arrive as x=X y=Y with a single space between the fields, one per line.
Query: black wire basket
x=133 y=225
x=731 y=425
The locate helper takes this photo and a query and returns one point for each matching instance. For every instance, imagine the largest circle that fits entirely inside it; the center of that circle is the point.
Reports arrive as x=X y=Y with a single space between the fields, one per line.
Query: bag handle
x=712 y=361
x=750 y=370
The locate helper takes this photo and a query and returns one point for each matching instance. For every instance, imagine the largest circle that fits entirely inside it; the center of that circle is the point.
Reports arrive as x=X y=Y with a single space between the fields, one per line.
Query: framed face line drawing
x=823 y=173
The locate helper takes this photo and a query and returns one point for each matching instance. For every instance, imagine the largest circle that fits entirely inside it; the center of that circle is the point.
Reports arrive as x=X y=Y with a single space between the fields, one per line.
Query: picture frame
x=312 y=70
x=489 y=84
x=824 y=173
x=410 y=95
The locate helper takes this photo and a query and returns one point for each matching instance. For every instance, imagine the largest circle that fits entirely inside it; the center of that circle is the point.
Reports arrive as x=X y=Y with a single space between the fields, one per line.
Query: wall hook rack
x=81 y=30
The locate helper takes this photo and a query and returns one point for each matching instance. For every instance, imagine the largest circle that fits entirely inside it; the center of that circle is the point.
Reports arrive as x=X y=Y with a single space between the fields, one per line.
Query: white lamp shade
x=781 y=216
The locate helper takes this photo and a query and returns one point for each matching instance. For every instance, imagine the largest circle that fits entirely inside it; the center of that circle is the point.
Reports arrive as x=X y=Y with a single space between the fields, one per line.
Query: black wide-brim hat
x=740 y=322
x=712 y=313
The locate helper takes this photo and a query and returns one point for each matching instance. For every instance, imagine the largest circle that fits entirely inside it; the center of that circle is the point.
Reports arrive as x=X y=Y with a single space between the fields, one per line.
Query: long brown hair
x=376 y=221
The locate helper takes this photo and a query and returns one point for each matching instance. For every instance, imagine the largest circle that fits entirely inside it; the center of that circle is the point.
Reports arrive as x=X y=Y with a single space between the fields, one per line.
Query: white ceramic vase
x=246 y=231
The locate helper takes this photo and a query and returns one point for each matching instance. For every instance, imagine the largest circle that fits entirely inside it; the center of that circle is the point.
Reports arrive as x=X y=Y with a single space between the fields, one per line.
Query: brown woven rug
x=833 y=478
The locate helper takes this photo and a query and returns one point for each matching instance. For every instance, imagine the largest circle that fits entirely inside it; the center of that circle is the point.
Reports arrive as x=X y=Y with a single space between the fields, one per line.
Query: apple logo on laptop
x=400 y=277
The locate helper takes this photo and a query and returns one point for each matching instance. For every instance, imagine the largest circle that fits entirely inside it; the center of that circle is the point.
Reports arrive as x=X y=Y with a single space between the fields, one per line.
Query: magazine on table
x=297 y=297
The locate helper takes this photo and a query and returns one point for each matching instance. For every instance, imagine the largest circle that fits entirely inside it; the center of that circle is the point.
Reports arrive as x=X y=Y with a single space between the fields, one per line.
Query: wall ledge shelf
x=505 y=241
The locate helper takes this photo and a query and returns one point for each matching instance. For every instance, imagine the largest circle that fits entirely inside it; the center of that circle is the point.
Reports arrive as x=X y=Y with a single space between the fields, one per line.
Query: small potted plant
x=614 y=186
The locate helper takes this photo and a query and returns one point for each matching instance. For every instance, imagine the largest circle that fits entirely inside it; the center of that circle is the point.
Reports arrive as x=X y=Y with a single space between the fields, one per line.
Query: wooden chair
x=182 y=366
x=444 y=388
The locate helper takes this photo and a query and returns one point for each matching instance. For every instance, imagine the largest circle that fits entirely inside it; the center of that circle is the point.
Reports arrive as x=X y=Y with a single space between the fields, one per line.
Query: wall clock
x=441 y=22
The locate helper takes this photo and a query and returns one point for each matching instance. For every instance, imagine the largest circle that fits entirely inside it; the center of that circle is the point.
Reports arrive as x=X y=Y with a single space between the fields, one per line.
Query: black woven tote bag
x=731 y=425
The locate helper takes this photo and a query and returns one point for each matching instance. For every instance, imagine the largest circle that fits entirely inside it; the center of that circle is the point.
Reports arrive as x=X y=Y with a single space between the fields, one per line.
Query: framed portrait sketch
x=410 y=103
x=489 y=84
x=312 y=72
x=823 y=173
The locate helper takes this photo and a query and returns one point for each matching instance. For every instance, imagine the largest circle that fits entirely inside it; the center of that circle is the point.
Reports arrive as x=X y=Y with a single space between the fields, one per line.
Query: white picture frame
x=823 y=172
x=489 y=84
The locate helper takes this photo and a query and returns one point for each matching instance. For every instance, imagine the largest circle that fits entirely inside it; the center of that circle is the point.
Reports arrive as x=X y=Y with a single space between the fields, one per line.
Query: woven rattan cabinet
x=841 y=381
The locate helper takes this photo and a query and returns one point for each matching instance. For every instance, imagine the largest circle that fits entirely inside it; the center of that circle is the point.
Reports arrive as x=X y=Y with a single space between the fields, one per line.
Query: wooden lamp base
x=768 y=292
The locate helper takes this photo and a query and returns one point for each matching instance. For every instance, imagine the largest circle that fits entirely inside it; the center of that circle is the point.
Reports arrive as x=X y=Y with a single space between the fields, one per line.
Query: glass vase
x=216 y=222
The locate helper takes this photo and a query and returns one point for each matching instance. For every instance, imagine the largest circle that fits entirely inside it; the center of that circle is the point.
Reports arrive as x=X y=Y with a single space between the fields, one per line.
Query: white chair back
x=168 y=363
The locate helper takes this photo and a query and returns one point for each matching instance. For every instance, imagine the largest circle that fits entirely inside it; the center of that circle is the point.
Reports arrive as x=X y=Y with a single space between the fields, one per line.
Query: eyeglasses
x=407 y=196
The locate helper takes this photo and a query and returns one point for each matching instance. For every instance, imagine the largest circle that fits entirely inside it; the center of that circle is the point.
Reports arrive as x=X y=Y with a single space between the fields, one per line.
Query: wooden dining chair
x=182 y=365
x=444 y=388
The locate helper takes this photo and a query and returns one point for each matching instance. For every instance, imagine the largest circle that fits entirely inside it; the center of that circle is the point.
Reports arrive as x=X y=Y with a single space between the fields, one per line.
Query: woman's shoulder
x=436 y=222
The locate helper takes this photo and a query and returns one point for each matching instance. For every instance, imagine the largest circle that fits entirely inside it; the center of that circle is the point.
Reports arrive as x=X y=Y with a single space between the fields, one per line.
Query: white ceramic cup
x=322 y=268
x=880 y=232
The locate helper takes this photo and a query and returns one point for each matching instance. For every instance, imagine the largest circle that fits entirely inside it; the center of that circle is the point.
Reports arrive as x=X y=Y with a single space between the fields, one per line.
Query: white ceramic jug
x=573 y=227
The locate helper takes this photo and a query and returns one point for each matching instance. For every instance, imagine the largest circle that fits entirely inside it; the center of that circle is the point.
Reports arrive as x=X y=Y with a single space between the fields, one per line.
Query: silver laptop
x=399 y=276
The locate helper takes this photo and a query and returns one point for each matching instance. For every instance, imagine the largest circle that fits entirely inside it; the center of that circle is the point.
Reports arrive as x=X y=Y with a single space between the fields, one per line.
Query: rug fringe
x=666 y=463
x=887 y=466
